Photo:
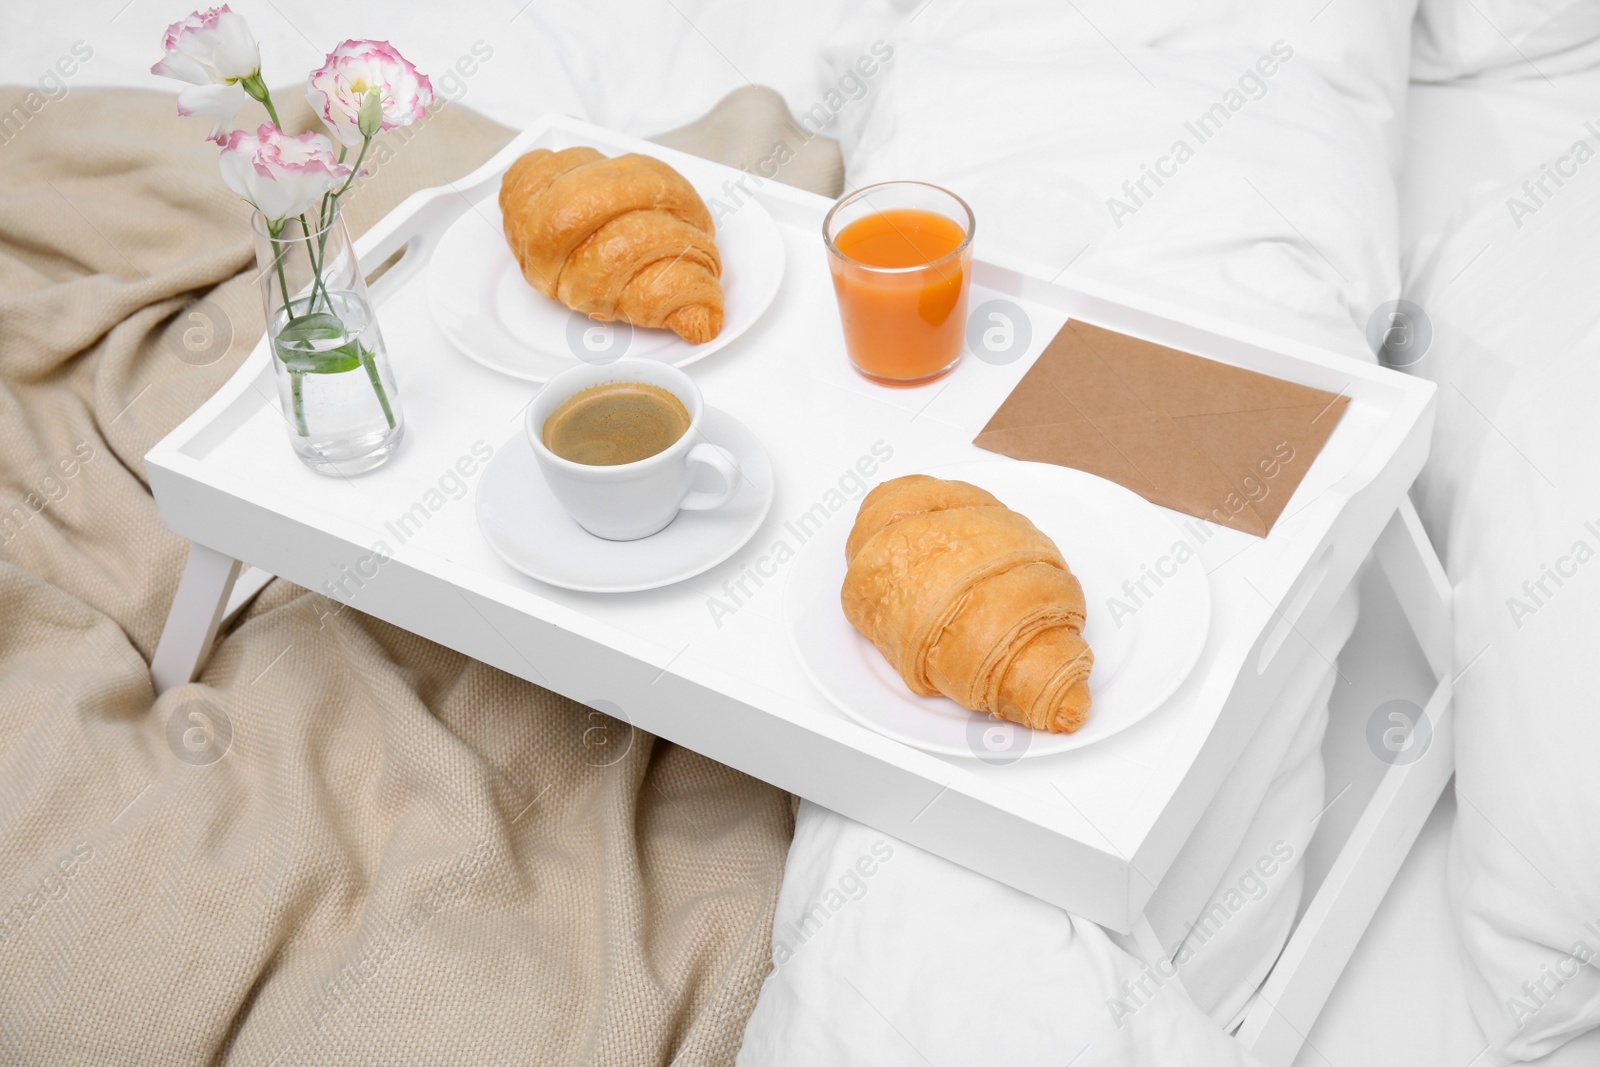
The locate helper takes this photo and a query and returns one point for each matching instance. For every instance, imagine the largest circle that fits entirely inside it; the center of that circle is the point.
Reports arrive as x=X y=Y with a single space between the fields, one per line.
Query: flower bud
x=366 y=87
x=370 y=120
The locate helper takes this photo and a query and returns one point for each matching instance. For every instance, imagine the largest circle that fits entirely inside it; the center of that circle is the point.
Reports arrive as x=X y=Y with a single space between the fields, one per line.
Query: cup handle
x=721 y=461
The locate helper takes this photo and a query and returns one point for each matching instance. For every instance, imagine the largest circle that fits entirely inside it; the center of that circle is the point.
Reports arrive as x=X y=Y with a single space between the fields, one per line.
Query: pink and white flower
x=342 y=84
x=214 y=52
x=281 y=175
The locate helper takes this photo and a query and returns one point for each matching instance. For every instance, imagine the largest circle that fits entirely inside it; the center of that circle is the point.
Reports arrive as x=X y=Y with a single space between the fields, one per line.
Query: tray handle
x=409 y=233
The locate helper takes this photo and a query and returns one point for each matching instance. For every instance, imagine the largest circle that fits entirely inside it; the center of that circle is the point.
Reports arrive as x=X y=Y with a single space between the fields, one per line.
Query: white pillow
x=1278 y=210
x=1512 y=497
x=1532 y=39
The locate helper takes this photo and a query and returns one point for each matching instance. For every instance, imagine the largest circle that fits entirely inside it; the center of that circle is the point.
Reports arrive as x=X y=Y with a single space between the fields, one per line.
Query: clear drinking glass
x=901 y=257
x=337 y=389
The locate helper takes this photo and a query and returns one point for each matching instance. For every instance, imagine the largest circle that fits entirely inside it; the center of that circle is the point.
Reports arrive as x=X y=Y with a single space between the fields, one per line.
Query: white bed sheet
x=1405 y=997
x=1468 y=141
x=1402 y=1000
x=1516 y=498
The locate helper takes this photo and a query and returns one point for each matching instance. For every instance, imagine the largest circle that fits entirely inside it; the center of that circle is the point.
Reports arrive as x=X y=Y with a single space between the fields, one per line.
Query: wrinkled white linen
x=1504 y=40
x=1511 y=500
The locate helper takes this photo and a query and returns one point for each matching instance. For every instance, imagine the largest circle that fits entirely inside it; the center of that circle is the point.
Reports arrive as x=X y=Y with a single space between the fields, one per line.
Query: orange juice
x=900 y=275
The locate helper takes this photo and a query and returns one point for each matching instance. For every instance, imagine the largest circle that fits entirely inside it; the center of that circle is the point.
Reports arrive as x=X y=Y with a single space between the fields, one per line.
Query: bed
x=1500 y=95
x=1497 y=183
x=929 y=961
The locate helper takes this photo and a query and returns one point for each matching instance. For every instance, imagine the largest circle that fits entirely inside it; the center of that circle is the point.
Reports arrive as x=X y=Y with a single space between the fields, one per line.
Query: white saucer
x=527 y=527
x=1107 y=534
x=482 y=303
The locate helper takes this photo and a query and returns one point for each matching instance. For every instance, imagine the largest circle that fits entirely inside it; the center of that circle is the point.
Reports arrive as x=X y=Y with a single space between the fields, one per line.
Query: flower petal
x=182 y=67
x=351 y=71
x=210 y=46
x=222 y=101
x=281 y=175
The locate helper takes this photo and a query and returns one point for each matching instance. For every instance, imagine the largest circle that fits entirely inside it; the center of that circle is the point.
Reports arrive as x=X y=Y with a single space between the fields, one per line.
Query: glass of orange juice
x=901 y=256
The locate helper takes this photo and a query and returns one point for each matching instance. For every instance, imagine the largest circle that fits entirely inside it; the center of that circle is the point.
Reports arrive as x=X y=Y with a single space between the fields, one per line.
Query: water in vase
x=336 y=385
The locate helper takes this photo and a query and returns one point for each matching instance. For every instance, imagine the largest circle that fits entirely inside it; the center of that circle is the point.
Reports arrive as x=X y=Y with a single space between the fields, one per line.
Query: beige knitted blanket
x=379 y=851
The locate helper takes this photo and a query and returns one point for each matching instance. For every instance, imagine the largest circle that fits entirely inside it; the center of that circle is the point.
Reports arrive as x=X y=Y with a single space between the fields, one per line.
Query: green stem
x=295 y=380
x=377 y=384
x=366 y=142
x=257 y=89
x=318 y=258
x=330 y=205
x=317 y=252
x=328 y=198
x=277 y=261
x=288 y=312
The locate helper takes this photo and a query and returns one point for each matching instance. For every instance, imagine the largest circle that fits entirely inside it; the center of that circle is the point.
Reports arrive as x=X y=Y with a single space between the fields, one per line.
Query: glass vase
x=338 y=394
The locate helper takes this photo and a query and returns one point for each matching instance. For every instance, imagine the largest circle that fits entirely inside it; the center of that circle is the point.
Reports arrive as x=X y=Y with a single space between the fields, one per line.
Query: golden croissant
x=619 y=239
x=965 y=597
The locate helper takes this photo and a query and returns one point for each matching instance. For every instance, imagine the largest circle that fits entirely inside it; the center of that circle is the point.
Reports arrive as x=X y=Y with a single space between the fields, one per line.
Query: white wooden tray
x=706 y=663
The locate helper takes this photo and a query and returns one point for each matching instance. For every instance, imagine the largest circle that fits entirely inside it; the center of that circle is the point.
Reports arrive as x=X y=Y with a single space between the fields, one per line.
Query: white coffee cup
x=627 y=501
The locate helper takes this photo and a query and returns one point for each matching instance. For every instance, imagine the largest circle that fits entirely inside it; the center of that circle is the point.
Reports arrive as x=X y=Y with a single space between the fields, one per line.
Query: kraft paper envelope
x=1186 y=432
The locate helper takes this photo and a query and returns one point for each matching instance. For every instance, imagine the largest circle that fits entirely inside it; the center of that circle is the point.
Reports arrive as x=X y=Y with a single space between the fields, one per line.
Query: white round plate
x=489 y=311
x=527 y=527
x=1107 y=534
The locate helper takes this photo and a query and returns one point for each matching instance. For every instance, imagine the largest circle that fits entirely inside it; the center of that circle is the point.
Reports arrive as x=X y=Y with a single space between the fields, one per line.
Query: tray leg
x=251 y=581
x=1293 y=995
x=1420 y=584
x=194 y=618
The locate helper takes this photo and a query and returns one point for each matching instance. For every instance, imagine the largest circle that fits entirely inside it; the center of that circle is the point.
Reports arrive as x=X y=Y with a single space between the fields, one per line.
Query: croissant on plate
x=620 y=239
x=967 y=598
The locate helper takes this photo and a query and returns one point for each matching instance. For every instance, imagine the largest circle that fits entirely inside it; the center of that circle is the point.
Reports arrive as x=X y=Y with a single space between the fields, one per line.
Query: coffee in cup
x=621 y=446
x=615 y=422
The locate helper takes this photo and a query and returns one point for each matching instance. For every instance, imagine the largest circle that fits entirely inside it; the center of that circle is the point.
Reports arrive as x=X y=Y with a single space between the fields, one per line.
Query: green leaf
x=345 y=358
x=306 y=330
x=316 y=326
x=333 y=361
